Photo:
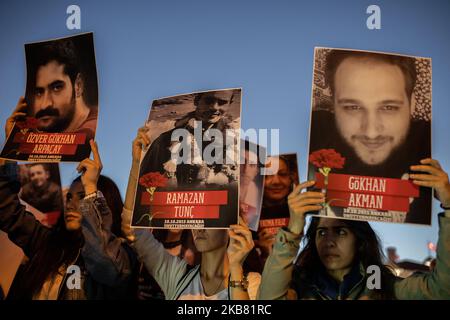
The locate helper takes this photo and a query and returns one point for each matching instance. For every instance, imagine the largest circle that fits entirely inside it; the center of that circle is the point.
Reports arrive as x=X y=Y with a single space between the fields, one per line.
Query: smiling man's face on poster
x=372 y=107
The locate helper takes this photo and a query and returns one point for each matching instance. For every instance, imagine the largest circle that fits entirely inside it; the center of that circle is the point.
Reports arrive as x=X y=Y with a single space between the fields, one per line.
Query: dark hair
x=75 y=54
x=44 y=165
x=199 y=95
x=62 y=51
x=368 y=252
x=186 y=241
x=255 y=148
x=286 y=161
x=406 y=65
x=61 y=246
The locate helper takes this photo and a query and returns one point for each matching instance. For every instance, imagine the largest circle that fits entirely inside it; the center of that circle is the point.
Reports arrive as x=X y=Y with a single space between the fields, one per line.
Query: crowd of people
x=94 y=237
x=119 y=262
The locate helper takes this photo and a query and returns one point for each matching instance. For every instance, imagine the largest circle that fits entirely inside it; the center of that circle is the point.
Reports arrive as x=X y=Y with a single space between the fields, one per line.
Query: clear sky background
x=151 y=49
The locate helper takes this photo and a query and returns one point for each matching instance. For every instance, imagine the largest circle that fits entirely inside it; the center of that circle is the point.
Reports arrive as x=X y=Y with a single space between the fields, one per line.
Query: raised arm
x=21 y=226
x=241 y=243
x=165 y=268
x=277 y=273
x=140 y=143
x=105 y=254
x=436 y=284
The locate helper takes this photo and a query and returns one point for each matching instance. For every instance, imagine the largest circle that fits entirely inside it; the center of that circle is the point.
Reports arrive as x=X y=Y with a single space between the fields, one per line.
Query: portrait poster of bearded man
x=57 y=117
x=370 y=122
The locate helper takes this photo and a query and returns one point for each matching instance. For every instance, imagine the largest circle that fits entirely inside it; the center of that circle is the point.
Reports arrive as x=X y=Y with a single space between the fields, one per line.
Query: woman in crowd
x=277 y=187
x=341 y=255
x=220 y=274
x=81 y=244
x=178 y=243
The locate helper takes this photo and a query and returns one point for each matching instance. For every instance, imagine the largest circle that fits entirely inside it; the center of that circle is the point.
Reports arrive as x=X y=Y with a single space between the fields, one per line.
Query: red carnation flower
x=153 y=179
x=327 y=158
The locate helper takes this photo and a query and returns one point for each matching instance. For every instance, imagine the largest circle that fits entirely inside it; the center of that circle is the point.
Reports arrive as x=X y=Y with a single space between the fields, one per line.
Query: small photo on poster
x=61 y=102
x=370 y=121
x=280 y=179
x=189 y=176
x=41 y=191
x=253 y=159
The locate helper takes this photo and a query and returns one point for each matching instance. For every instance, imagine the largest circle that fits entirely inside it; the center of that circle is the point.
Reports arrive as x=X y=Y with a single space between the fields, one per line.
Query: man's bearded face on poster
x=54 y=98
x=372 y=108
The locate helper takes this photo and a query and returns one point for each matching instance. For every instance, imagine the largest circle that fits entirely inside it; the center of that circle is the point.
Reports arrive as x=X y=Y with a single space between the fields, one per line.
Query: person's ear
x=78 y=86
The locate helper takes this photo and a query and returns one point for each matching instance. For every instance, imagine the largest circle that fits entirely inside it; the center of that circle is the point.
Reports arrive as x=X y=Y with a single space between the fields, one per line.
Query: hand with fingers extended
x=141 y=142
x=430 y=174
x=90 y=170
x=19 y=112
x=302 y=202
x=241 y=243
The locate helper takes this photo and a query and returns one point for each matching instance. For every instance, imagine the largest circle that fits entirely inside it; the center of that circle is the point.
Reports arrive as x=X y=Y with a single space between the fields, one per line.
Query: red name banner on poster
x=367 y=201
x=273 y=225
x=186 y=198
x=50 y=138
x=266 y=223
x=185 y=212
x=185 y=204
x=368 y=185
x=47 y=149
x=49 y=143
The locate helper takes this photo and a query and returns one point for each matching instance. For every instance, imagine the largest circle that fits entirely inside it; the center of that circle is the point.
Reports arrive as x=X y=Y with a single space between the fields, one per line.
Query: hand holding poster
x=189 y=175
x=58 y=115
x=371 y=120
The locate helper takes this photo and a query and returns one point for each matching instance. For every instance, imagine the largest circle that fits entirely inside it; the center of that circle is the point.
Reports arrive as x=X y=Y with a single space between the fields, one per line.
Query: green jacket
x=277 y=274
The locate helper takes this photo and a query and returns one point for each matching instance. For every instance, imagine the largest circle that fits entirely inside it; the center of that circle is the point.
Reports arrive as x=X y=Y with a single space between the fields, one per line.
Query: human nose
x=275 y=179
x=46 y=100
x=371 y=124
x=330 y=240
x=71 y=204
x=215 y=105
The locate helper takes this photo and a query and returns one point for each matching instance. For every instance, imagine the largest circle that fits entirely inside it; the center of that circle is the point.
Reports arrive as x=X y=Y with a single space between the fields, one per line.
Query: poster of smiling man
x=41 y=191
x=189 y=176
x=58 y=115
x=370 y=121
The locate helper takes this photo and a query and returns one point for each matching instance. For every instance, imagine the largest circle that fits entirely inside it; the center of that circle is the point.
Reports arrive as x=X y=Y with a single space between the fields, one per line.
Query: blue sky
x=151 y=49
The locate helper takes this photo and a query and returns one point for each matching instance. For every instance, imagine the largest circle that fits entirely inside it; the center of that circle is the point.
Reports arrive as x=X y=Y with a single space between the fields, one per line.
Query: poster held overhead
x=370 y=121
x=60 y=104
x=189 y=176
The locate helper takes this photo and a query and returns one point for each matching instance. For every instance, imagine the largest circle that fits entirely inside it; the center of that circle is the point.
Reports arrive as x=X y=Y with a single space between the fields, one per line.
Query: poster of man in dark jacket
x=189 y=175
